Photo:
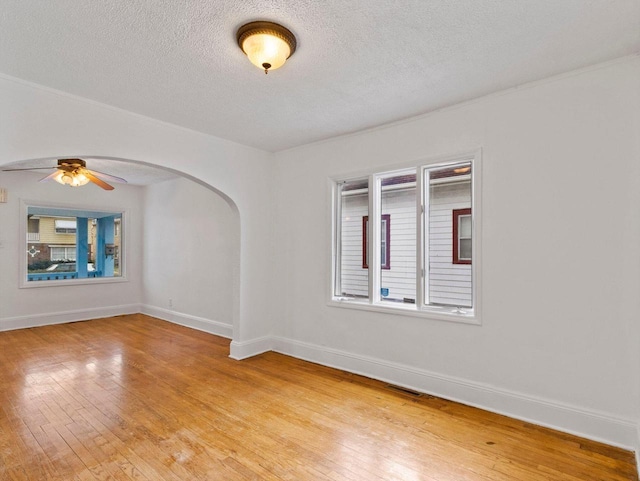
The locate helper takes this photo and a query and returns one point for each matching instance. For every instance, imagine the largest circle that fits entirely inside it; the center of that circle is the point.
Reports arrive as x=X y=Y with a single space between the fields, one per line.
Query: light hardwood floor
x=133 y=397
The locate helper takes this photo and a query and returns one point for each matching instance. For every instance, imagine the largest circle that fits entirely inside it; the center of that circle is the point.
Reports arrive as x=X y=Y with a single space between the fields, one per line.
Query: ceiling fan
x=74 y=172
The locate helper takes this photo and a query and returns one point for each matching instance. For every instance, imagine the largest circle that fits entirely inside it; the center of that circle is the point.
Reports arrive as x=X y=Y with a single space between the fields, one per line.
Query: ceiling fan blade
x=112 y=178
x=49 y=177
x=28 y=168
x=98 y=182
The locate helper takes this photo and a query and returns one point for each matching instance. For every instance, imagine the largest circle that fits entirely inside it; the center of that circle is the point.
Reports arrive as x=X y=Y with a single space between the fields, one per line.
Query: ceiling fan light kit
x=267 y=44
x=74 y=173
x=74 y=178
x=71 y=172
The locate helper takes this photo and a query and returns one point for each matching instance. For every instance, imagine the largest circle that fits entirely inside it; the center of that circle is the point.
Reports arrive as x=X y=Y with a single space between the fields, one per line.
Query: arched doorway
x=185 y=239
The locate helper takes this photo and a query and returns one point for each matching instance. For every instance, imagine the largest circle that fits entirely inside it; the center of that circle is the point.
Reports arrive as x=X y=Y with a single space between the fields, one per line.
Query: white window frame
x=419 y=309
x=23 y=283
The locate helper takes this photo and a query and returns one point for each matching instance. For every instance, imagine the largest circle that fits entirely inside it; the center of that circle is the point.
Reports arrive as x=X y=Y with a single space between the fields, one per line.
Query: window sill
x=24 y=284
x=411 y=310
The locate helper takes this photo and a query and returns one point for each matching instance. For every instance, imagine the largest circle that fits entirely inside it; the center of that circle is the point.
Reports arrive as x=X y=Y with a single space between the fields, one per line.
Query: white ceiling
x=359 y=63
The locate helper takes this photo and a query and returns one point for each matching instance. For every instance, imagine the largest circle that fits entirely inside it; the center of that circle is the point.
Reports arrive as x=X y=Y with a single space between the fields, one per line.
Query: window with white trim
x=67 y=245
x=432 y=242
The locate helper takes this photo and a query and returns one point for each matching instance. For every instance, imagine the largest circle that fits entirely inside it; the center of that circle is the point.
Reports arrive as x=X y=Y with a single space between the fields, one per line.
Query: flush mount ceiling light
x=268 y=45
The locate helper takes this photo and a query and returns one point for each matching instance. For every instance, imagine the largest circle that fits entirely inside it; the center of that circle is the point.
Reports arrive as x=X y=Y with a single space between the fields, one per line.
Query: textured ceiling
x=359 y=63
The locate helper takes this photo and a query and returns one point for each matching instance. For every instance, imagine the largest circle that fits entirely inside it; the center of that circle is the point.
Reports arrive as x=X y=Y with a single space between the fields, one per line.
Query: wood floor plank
x=136 y=398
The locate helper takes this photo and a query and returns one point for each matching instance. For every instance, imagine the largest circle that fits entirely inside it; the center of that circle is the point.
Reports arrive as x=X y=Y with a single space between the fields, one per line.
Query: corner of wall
x=245 y=349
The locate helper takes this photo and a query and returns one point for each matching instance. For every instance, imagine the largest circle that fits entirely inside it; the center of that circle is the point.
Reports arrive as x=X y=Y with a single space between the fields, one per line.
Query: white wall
x=36 y=122
x=191 y=255
x=561 y=257
x=44 y=305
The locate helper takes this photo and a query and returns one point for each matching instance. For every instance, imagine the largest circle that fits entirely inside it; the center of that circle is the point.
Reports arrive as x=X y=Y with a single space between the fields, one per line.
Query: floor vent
x=404 y=390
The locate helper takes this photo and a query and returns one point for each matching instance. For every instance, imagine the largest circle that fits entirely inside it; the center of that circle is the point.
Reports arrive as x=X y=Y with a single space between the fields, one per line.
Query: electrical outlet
x=170 y=302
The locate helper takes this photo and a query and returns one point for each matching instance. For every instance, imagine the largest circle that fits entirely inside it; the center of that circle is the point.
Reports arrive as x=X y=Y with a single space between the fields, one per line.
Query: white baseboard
x=200 y=323
x=245 y=349
x=593 y=425
x=63 y=317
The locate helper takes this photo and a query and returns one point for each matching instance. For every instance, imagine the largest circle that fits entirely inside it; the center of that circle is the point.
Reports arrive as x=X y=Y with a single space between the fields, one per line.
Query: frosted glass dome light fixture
x=268 y=45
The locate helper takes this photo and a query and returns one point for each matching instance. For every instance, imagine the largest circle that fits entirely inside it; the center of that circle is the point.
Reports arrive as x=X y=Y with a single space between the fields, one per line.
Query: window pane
x=465 y=226
x=448 y=283
x=398 y=203
x=353 y=277
x=465 y=248
x=66 y=244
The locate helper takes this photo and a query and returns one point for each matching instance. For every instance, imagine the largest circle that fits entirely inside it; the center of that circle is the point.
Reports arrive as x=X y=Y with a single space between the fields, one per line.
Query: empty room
x=190 y=284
